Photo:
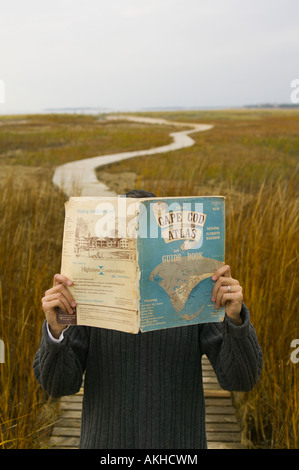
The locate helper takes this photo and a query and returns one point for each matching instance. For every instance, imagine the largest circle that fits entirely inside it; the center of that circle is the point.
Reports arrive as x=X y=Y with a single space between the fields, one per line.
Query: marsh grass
x=31 y=221
x=262 y=247
x=51 y=140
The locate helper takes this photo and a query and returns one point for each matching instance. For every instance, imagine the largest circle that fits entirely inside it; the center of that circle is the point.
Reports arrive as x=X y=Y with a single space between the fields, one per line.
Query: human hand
x=227 y=293
x=58 y=296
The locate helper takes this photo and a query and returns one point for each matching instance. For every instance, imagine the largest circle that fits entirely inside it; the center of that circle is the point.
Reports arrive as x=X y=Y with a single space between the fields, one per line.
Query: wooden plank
x=65 y=405
x=65 y=448
x=215 y=418
x=223 y=436
x=225 y=445
x=210 y=380
x=221 y=427
x=204 y=358
x=63 y=441
x=216 y=393
x=219 y=401
x=224 y=410
x=209 y=373
x=71 y=414
x=69 y=422
x=71 y=399
x=66 y=431
x=212 y=386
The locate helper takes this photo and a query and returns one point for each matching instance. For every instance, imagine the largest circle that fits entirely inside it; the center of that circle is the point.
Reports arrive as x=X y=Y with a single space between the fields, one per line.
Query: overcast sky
x=134 y=54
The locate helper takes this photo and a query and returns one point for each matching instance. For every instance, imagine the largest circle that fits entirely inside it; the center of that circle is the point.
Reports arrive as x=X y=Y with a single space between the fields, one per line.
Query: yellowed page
x=99 y=256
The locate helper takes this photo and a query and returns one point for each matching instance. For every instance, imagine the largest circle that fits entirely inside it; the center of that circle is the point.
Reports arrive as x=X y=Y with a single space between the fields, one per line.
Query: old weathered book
x=143 y=264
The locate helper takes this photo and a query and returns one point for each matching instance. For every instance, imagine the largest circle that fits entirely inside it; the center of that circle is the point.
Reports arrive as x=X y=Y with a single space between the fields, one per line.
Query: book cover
x=143 y=264
x=180 y=244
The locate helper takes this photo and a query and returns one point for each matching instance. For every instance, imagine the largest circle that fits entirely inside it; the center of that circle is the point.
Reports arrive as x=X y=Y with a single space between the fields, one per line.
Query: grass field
x=251 y=157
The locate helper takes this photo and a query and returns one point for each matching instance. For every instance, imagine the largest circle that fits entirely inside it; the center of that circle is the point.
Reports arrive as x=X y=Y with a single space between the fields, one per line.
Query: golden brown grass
x=31 y=228
x=239 y=153
x=50 y=140
x=262 y=248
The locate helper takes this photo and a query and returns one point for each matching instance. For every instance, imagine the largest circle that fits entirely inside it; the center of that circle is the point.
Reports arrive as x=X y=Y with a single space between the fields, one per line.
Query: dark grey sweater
x=145 y=391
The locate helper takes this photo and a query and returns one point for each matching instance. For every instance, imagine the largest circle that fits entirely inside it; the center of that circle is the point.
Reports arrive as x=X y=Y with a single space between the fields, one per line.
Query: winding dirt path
x=79 y=178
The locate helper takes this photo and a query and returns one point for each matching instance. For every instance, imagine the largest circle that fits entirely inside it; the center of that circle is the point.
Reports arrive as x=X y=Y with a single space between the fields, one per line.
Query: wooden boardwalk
x=223 y=431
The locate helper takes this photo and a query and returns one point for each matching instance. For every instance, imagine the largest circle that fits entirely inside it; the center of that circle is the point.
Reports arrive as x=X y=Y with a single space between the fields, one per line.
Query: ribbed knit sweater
x=145 y=391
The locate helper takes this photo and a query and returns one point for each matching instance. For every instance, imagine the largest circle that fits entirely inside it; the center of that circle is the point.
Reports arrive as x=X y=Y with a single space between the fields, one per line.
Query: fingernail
x=69 y=283
x=213 y=299
x=214 y=278
x=73 y=304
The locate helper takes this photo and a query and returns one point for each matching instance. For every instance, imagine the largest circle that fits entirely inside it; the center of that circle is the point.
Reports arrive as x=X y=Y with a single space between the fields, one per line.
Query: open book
x=143 y=264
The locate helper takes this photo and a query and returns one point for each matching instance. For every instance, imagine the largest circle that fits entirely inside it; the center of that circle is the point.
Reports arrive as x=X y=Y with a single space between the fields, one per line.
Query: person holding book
x=145 y=390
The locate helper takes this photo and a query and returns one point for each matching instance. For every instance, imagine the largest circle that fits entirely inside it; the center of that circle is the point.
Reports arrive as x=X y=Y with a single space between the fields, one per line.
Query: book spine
x=138 y=271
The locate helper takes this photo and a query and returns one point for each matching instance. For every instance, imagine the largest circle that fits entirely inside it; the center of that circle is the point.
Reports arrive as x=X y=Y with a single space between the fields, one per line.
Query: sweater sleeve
x=233 y=351
x=59 y=366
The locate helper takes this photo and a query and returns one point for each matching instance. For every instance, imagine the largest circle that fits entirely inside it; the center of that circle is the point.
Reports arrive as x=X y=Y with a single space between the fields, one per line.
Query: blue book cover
x=180 y=244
